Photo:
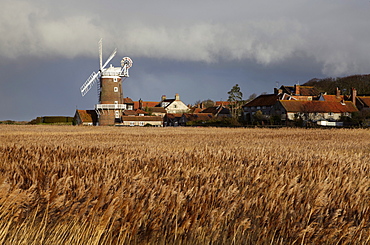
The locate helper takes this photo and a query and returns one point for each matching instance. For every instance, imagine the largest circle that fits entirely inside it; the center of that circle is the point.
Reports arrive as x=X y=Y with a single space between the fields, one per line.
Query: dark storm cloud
x=199 y=49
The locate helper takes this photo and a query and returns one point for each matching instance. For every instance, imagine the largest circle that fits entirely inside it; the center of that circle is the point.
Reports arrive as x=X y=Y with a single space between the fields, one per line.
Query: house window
x=141 y=123
x=130 y=107
x=331 y=114
x=132 y=124
x=117 y=114
x=258 y=107
x=115 y=89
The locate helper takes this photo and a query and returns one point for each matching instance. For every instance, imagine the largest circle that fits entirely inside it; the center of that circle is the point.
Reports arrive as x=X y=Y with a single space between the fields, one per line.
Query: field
x=109 y=185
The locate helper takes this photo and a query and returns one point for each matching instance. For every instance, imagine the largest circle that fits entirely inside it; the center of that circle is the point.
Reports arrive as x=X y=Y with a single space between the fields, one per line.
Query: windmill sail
x=93 y=78
x=109 y=59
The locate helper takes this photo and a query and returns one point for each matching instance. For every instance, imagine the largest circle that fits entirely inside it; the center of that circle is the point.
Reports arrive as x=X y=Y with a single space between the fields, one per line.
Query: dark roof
x=263 y=100
x=317 y=106
x=157 y=109
x=168 y=100
x=216 y=110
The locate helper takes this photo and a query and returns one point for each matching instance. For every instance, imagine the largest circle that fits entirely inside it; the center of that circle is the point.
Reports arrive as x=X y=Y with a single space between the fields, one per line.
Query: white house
x=173 y=105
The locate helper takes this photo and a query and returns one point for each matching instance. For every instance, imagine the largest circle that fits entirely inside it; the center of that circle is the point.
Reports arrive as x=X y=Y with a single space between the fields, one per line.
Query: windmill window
x=115 y=79
x=115 y=89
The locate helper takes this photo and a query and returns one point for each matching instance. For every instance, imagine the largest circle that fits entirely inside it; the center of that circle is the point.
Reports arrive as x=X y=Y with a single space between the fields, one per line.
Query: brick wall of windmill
x=110 y=93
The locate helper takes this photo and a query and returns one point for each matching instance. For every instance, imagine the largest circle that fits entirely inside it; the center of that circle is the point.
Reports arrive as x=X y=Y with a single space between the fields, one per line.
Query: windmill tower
x=110 y=107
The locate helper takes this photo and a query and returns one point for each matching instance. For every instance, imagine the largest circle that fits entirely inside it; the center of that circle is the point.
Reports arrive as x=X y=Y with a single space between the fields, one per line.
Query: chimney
x=163 y=97
x=337 y=93
x=177 y=97
x=140 y=104
x=353 y=95
x=297 y=89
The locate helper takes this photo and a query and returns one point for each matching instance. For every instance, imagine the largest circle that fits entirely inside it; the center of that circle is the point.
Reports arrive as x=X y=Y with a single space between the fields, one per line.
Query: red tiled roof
x=263 y=100
x=138 y=111
x=127 y=100
x=224 y=103
x=308 y=91
x=317 y=106
x=129 y=112
x=333 y=98
x=365 y=100
x=173 y=115
x=145 y=104
x=88 y=115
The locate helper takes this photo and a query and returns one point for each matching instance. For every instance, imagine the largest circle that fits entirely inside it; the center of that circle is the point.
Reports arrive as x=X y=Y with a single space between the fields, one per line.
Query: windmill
x=109 y=80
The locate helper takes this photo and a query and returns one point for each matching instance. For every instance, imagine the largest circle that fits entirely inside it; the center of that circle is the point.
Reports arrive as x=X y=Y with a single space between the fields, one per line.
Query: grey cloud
x=210 y=31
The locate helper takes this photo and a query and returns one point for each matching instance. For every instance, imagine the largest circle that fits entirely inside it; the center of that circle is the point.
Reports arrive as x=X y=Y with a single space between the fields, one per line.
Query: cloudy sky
x=199 y=49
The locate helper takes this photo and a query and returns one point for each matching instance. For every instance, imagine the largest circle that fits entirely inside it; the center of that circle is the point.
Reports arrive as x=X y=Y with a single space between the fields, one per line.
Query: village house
x=173 y=120
x=86 y=117
x=299 y=102
x=128 y=103
x=313 y=110
x=173 y=105
x=263 y=103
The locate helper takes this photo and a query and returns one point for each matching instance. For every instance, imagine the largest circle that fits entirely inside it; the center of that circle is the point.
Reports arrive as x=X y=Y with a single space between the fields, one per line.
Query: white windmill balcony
x=112 y=72
x=110 y=106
